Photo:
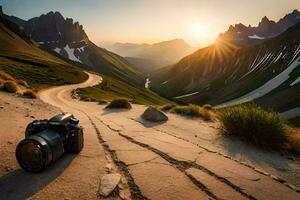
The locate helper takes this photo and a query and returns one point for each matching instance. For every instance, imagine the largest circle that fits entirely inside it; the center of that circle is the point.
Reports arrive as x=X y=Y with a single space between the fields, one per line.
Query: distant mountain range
x=244 y=35
x=68 y=39
x=159 y=54
x=267 y=72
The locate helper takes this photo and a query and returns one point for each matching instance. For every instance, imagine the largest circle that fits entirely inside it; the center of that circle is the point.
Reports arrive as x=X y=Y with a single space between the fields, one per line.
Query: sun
x=199 y=30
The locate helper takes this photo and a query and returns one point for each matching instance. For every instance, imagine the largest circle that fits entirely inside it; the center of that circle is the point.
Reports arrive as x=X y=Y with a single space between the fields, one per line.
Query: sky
x=198 y=22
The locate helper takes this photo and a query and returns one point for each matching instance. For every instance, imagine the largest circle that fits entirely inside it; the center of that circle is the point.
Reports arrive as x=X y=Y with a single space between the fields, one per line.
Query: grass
x=119 y=103
x=5 y=76
x=20 y=59
x=111 y=89
x=295 y=122
x=166 y=107
x=255 y=125
x=294 y=139
x=194 y=110
x=23 y=83
x=10 y=86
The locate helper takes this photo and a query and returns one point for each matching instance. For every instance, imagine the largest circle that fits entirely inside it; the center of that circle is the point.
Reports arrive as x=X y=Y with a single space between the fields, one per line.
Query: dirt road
x=181 y=159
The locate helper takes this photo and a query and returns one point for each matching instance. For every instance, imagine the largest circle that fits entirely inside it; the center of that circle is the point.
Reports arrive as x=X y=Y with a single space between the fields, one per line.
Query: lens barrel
x=38 y=151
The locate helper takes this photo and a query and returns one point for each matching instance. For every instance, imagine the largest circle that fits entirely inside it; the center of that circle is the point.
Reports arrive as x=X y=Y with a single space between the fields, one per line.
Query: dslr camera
x=47 y=140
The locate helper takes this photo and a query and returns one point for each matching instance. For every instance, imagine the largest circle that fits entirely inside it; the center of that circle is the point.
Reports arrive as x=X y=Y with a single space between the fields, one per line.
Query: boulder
x=108 y=183
x=154 y=115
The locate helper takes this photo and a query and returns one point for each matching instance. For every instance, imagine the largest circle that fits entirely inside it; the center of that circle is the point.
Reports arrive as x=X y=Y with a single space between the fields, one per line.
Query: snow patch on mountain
x=71 y=53
x=266 y=88
x=278 y=57
x=260 y=62
x=57 y=50
x=295 y=82
x=186 y=95
x=256 y=37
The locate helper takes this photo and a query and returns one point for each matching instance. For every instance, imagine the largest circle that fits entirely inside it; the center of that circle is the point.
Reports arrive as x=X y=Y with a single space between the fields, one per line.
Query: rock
x=109 y=167
x=154 y=115
x=108 y=183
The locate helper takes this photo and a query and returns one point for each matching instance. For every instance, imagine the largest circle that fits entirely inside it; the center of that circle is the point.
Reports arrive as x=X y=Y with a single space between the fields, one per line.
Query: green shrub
x=23 y=83
x=166 y=107
x=119 y=103
x=10 y=86
x=30 y=94
x=255 y=125
x=193 y=110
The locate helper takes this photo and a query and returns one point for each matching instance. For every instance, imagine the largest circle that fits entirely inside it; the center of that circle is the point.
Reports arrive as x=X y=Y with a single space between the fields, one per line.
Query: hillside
x=68 y=39
x=223 y=72
x=160 y=54
x=111 y=89
x=21 y=58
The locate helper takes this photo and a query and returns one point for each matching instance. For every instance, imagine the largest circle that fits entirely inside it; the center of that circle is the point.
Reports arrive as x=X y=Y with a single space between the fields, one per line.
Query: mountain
x=222 y=72
x=68 y=39
x=160 y=54
x=143 y=65
x=245 y=35
x=24 y=60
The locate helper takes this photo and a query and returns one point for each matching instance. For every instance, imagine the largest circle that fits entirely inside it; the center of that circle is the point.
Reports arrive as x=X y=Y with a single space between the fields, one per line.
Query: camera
x=47 y=140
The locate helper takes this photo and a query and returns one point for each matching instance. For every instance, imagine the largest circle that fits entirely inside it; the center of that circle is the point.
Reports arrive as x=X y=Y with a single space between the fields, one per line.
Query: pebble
x=109 y=167
x=108 y=183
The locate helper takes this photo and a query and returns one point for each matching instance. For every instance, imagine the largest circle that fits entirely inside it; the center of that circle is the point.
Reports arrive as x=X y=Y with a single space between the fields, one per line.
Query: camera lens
x=38 y=151
x=31 y=156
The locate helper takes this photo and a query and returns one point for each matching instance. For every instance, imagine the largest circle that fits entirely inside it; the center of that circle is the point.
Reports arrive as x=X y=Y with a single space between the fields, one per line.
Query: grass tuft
x=23 y=83
x=5 y=76
x=207 y=107
x=294 y=139
x=30 y=94
x=166 y=107
x=255 y=125
x=194 y=110
x=10 y=86
x=119 y=103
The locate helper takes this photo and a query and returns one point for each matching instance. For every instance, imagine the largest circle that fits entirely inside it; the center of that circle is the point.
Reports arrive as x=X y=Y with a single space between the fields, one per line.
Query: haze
x=198 y=22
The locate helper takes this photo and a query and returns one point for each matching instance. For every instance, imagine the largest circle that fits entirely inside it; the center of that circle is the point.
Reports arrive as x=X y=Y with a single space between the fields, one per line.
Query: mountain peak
x=266 y=29
x=265 y=19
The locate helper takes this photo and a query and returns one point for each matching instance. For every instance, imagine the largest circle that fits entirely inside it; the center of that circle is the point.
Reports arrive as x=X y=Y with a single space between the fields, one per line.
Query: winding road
x=181 y=159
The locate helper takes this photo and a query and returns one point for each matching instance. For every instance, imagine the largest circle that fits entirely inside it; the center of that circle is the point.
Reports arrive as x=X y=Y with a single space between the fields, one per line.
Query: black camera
x=47 y=140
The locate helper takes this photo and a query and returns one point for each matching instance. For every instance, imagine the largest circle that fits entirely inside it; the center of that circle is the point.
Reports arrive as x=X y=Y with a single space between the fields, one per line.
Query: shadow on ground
x=107 y=111
x=146 y=123
x=20 y=184
x=282 y=165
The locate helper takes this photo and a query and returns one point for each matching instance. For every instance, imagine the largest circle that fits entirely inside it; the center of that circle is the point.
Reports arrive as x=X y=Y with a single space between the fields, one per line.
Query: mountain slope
x=160 y=54
x=222 y=72
x=21 y=58
x=247 y=35
x=68 y=39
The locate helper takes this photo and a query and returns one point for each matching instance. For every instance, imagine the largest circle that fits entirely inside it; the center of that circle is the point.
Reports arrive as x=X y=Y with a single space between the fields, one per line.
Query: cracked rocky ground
x=181 y=159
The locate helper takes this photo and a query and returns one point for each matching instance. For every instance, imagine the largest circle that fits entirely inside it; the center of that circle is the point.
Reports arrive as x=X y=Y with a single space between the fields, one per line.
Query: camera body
x=66 y=125
x=47 y=140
